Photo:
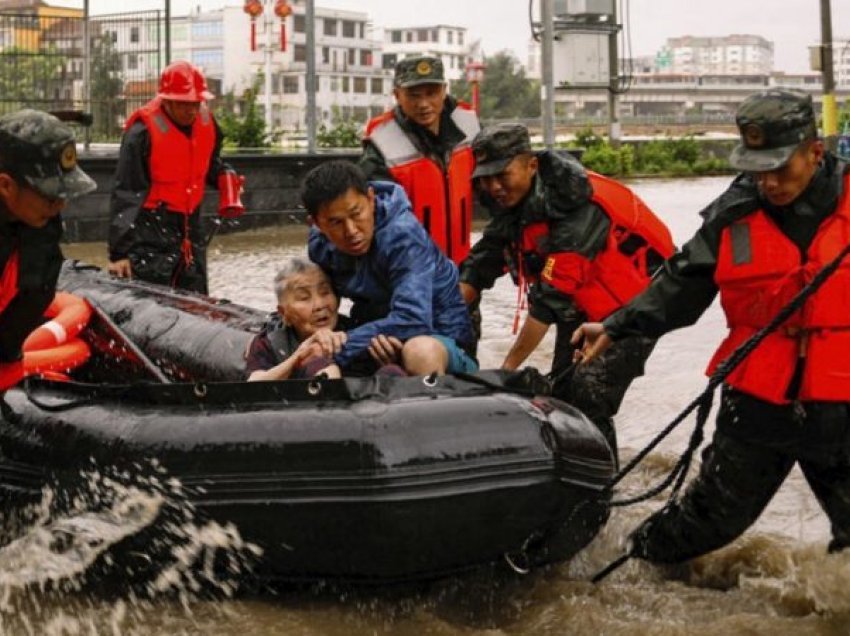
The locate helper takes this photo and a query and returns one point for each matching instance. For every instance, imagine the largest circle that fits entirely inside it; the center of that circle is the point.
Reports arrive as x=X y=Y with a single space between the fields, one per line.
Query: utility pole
x=310 y=78
x=267 y=65
x=614 y=132
x=167 y=32
x=830 y=110
x=547 y=86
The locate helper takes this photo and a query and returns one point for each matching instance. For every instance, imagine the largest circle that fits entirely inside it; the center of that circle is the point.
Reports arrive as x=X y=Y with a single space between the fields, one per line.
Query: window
x=299 y=23
x=326 y=55
x=377 y=86
x=299 y=53
x=345 y=82
x=329 y=27
x=207 y=30
x=395 y=36
x=365 y=57
x=408 y=36
x=359 y=84
x=450 y=35
x=460 y=38
x=290 y=84
x=352 y=57
x=334 y=84
x=435 y=37
x=362 y=26
x=388 y=60
x=134 y=34
x=132 y=62
x=348 y=29
x=421 y=35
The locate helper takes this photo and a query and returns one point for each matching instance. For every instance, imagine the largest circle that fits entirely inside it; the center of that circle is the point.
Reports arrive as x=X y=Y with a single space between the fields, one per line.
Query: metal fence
x=107 y=65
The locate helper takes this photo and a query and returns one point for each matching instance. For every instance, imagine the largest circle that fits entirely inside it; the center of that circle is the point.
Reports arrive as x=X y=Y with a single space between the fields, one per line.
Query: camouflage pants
x=598 y=388
x=753 y=449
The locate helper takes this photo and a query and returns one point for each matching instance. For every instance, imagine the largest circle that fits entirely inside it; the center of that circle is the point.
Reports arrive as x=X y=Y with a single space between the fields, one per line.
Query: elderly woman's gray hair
x=296 y=265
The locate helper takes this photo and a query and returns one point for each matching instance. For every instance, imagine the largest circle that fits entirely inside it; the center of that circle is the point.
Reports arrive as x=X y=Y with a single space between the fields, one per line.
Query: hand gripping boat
x=362 y=479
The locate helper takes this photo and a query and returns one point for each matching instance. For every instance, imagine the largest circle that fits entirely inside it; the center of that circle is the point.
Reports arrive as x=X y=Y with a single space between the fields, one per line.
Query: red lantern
x=253 y=8
x=282 y=9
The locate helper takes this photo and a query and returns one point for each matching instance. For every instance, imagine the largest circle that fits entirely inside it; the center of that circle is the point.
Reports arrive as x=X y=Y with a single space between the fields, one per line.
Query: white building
x=841 y=62
x=452 y=44
x=727 y=55
x=351 y=82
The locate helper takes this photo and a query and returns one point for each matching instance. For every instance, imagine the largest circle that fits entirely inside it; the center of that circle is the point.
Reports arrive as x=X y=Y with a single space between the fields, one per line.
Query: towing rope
x=703 y=405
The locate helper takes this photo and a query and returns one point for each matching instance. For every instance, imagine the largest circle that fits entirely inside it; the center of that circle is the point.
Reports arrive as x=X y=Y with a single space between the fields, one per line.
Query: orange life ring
x=68 y=315
x=53 y=347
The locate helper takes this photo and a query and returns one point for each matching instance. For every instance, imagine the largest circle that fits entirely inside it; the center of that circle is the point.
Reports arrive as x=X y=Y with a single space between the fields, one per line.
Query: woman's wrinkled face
x=308 y=303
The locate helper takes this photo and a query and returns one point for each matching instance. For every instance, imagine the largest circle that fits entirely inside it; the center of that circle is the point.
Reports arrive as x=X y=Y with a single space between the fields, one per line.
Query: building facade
x=452 y=44
x=727 y=55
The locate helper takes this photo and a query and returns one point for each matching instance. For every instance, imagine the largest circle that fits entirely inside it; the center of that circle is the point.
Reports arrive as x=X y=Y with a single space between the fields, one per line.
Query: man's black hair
x=329 y=181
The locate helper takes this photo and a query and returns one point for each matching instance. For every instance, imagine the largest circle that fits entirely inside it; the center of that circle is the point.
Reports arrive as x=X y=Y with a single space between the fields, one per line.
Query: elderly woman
x=305 y=339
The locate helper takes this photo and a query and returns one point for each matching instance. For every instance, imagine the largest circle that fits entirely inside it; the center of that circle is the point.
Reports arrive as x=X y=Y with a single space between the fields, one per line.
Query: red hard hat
x=182 y=82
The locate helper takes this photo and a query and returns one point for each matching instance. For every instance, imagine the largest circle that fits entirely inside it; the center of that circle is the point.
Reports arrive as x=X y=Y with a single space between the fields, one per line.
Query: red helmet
x=182 y=82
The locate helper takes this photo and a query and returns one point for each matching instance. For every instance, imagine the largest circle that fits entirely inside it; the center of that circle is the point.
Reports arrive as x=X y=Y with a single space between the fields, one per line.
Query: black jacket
x=685 y=287
x=560 y=195
x=40 y=261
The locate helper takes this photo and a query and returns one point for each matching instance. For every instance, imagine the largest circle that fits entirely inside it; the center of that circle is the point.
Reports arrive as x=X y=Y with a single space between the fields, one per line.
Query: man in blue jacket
x=406 y=303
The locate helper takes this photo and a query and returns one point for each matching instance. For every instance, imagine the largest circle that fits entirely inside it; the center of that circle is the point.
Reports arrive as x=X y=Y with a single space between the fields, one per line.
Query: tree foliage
x=505 y=92
x=106 y=87
x=247 y=130
x=26 y=79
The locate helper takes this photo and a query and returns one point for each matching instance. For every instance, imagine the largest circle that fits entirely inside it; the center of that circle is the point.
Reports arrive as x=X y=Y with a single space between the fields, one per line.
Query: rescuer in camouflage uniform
x=521 y=188
x=761 y=240
x=38 y=174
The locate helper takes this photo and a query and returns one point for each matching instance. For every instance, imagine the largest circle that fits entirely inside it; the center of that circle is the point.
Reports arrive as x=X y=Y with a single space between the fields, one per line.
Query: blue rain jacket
x=403 y=287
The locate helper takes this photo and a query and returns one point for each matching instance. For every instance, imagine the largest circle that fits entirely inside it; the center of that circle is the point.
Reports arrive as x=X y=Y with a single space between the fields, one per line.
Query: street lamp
x=254 y=9
x=474 y=76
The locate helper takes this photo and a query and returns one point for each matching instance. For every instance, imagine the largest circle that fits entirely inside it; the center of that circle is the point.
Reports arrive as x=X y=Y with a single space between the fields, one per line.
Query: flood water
x=776 y=579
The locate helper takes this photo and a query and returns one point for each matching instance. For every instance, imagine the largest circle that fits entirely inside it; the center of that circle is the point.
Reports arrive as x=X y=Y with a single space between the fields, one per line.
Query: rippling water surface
x=775 y=580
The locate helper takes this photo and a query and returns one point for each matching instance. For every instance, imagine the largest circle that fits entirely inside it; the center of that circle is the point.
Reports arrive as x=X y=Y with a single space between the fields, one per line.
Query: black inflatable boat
x=371 y=479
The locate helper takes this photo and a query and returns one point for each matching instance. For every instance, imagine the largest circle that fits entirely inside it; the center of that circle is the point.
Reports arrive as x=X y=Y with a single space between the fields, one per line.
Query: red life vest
x=620 y=271
x=178 y=164
x=9 y=281
x=759 y=270
x=442 y=201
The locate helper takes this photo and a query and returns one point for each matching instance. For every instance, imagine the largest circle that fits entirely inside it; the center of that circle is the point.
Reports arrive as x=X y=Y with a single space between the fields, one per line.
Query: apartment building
x=452 y=44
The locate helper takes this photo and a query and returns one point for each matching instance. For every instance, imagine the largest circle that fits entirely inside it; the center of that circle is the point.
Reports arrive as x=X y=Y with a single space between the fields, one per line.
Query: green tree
x=247 y=130
x=506 y=93
x=106 y=87
x=26 y=77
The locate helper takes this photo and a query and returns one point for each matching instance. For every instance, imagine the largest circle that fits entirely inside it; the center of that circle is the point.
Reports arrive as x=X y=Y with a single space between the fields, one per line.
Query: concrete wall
x=271 y=193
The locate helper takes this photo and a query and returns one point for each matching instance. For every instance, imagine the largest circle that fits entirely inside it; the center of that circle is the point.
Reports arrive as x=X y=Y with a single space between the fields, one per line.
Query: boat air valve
x=314 y=388
x=430 y=380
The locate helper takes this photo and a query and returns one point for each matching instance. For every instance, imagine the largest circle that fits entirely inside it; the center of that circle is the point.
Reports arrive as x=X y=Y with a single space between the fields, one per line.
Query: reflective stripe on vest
x=178 y=164
x=441 y=201
x=619 y=271
x=759 y=270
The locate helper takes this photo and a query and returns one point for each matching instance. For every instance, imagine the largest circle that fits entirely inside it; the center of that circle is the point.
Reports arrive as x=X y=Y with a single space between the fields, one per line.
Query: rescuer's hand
x=469 y=293
x=121 y=268
x=385 y=349
x=591 y=342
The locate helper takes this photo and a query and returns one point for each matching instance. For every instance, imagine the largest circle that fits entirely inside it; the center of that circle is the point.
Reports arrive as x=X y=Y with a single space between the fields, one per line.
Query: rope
x=704 y=401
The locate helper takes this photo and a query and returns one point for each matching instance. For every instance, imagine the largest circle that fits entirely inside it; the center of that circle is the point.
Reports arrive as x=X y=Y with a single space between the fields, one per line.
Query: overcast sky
x=792 y=25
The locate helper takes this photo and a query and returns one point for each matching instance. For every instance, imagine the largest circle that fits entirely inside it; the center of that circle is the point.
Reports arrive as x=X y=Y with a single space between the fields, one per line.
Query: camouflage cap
x=421 y=69
x=40 y=149
x=772 y=123
x=495 y=146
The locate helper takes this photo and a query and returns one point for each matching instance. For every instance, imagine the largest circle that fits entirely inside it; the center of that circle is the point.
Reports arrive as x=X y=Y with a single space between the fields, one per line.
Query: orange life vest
x=619 y=272
x=178 y=164
x=441 y=201
x=759 y=270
